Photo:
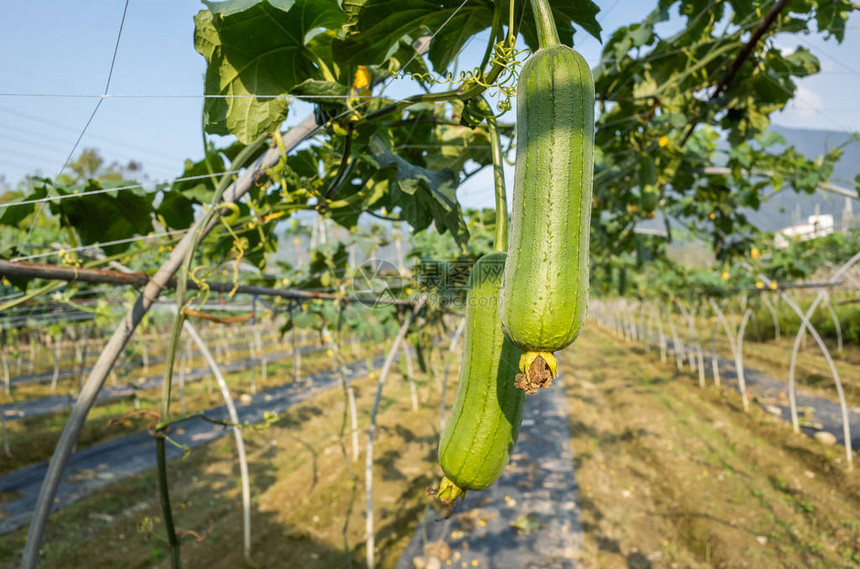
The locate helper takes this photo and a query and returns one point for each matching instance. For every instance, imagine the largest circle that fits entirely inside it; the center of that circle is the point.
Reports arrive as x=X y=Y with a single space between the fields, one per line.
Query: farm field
x=670 y=473
x=32 y=439
x=642 y=465
x=300 y=498
x=768 y=354
x=503 y=284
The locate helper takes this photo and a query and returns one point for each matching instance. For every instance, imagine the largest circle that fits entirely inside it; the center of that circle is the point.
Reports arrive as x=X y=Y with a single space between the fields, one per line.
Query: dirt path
x=105 y=463
x=529 y=518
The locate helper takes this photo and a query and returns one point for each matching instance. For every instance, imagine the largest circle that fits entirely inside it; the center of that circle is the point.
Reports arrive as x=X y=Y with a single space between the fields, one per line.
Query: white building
x=816 y=226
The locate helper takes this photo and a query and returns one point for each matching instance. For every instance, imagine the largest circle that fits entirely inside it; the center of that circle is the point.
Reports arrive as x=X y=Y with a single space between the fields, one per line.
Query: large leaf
x=256 y=53
x=375 y=27
x=566 y=13
x=423 y=196
x=15 y=214
x=461 y=22
x=104 y=217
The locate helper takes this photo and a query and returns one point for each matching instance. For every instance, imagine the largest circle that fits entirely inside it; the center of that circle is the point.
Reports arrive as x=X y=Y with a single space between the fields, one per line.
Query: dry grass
x=675 y=476
x=772 y=358
x=301 y=491
x=670 y=476
x=33 y=440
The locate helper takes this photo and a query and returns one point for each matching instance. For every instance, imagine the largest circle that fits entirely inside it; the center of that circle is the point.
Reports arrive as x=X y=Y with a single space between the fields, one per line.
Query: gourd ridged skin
x=485 y=418
x=545 y=284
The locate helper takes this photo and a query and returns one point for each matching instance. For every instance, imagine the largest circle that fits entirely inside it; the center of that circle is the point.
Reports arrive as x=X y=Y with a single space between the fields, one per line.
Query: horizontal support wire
x=103 y=244
x=107 y=190
x=101 y=276
x=186 y=96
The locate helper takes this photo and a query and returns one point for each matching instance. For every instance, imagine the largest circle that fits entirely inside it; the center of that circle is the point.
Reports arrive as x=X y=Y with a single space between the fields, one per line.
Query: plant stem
x=545 y=24
x=494 y=31
x=206 y=161
x=513 y=21
x=176 y=332
x=344 y=162
x=500 y=240
x=164 y=496
x=182 y=281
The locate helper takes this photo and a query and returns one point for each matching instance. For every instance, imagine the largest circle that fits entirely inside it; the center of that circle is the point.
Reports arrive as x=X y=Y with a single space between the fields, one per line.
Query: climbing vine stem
x=500 y=240
x=545 y=23
x=179 y=318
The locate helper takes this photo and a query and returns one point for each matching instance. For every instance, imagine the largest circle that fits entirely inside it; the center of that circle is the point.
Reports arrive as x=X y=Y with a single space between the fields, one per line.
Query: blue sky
x=65 y=48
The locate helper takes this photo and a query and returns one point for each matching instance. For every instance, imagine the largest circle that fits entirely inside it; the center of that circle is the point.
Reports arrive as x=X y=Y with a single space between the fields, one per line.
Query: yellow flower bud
x=363 y=76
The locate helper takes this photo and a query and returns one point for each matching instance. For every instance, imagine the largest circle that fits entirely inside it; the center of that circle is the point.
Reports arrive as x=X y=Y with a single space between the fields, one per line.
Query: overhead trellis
x=665 y=102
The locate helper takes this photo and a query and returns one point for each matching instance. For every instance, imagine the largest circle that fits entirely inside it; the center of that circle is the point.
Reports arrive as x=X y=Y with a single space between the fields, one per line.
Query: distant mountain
x=788 y=207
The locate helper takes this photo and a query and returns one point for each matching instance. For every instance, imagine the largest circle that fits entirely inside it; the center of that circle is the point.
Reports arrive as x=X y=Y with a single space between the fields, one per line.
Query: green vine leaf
x=374 y=28
x=256 y=53
x=320 y=92
x=104 y=217
x=424 y=196
x=566 y=13
x=14 y=215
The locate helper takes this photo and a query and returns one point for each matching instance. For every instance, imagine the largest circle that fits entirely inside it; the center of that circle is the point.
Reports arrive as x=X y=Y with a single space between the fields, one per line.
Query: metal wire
x=106 y=190
x=102 y=244
x=177 y=96
x=89 y=121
